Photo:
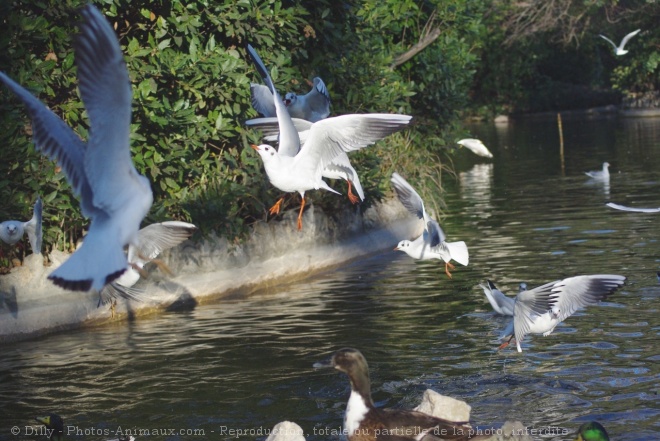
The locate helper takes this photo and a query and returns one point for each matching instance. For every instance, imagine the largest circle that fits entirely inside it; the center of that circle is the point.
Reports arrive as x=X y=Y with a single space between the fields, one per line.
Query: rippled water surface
x=247 y=364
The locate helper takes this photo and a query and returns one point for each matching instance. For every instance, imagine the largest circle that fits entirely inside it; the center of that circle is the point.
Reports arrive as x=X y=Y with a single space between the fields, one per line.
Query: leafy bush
x=190 y=80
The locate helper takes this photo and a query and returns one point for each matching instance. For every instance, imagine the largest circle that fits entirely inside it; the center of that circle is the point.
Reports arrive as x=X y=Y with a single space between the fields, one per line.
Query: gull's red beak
x=254 y=146
x=287 y=102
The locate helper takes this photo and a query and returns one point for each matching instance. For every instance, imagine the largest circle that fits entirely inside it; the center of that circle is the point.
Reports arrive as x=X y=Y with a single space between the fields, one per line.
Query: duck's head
x=352 y=363
x=592 y=431
x=55 y=425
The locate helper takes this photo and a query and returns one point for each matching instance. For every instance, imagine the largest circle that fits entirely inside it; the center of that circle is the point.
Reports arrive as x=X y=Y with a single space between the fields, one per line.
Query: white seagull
x=292 y=169
x=431 y=244
x=312 y=107
x=152 y=240
x=501 y=303
x=634 y=209
x=11 y=231
x=539 y=310
x=112 y=193
x=476 y=146
x=602 y=175
x=339 y=168
x=619 y=50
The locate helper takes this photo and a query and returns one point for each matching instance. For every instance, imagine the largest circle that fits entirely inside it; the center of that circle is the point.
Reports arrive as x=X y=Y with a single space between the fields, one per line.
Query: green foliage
x=190 y=78
x=555 y=60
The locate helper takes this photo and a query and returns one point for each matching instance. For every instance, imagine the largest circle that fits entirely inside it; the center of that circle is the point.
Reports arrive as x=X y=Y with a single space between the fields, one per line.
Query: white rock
x=444 y=407
x=286 y=431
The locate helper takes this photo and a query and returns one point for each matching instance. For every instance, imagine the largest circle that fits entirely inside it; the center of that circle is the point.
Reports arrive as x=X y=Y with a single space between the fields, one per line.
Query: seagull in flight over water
x=431 y=244
x=112 y=193
x=540 y=310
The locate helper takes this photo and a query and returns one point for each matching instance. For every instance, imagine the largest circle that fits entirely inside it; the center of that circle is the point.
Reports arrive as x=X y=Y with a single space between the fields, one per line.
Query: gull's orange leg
x=351 y=197
x=447 y=267
x=275 y=209
x=302 y=206
x=505 y=344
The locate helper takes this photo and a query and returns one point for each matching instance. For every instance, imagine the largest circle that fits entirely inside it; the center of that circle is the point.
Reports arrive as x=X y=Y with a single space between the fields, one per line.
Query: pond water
x=246 y=364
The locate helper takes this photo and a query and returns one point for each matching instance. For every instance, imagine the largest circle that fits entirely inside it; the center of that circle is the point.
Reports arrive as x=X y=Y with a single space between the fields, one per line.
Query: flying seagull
x=152 y=240
x=312 y=107
x=292 y=169
x=539 y=310
x=339 y=168
x=431 y=244
x=476 y=146
x=112 y=193
x=619 y=50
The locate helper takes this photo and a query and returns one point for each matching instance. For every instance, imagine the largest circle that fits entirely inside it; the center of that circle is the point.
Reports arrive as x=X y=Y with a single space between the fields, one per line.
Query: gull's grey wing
x=628 y=37
x=330 y=137
x=262 y=100
x=608 y=40
x=114 y=290
x=530 y=304
x=637 y=210
x=56 y=140
x=408 y=196
x=33 y=227
x=270 y=127
x=289 y=139
x=105 y=89
x=318 y=100
x=498 y=300
x=573 y=293
x=155 y=238
x=434 y=235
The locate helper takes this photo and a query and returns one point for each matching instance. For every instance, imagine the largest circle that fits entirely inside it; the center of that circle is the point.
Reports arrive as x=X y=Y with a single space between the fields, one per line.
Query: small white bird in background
x=619 y=50
x=601 y=175
x=12 y=231
x=292 y=169
x=633 y=209
x=312 y=107
x=339 y=168
x=476 y=146
x=431 y=244
x=112 y=193
x=539 y=310
x=501 y=303
x=152 y=240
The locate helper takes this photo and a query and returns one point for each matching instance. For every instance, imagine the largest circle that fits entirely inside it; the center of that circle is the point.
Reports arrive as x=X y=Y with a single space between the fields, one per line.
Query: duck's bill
x=43 y=420
x=323 y=364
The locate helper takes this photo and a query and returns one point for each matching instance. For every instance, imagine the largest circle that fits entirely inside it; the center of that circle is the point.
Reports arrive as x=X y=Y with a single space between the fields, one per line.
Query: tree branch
x=418 y=47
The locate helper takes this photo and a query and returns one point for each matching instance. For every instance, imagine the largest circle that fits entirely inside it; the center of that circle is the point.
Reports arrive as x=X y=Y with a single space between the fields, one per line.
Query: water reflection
x=247 y=363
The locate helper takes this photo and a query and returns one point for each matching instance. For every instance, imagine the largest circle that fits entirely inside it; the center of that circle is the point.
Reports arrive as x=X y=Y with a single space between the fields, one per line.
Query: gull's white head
x=11 y=229
x=404 y=246
x=290 y=98
x=267 y=152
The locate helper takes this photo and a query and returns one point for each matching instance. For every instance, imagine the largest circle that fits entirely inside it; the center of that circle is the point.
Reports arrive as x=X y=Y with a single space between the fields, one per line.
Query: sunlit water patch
x=246 y=364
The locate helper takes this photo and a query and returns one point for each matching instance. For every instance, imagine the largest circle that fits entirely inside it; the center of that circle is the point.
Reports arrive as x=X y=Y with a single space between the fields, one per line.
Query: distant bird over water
x=619 y=50
x=476 y=146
